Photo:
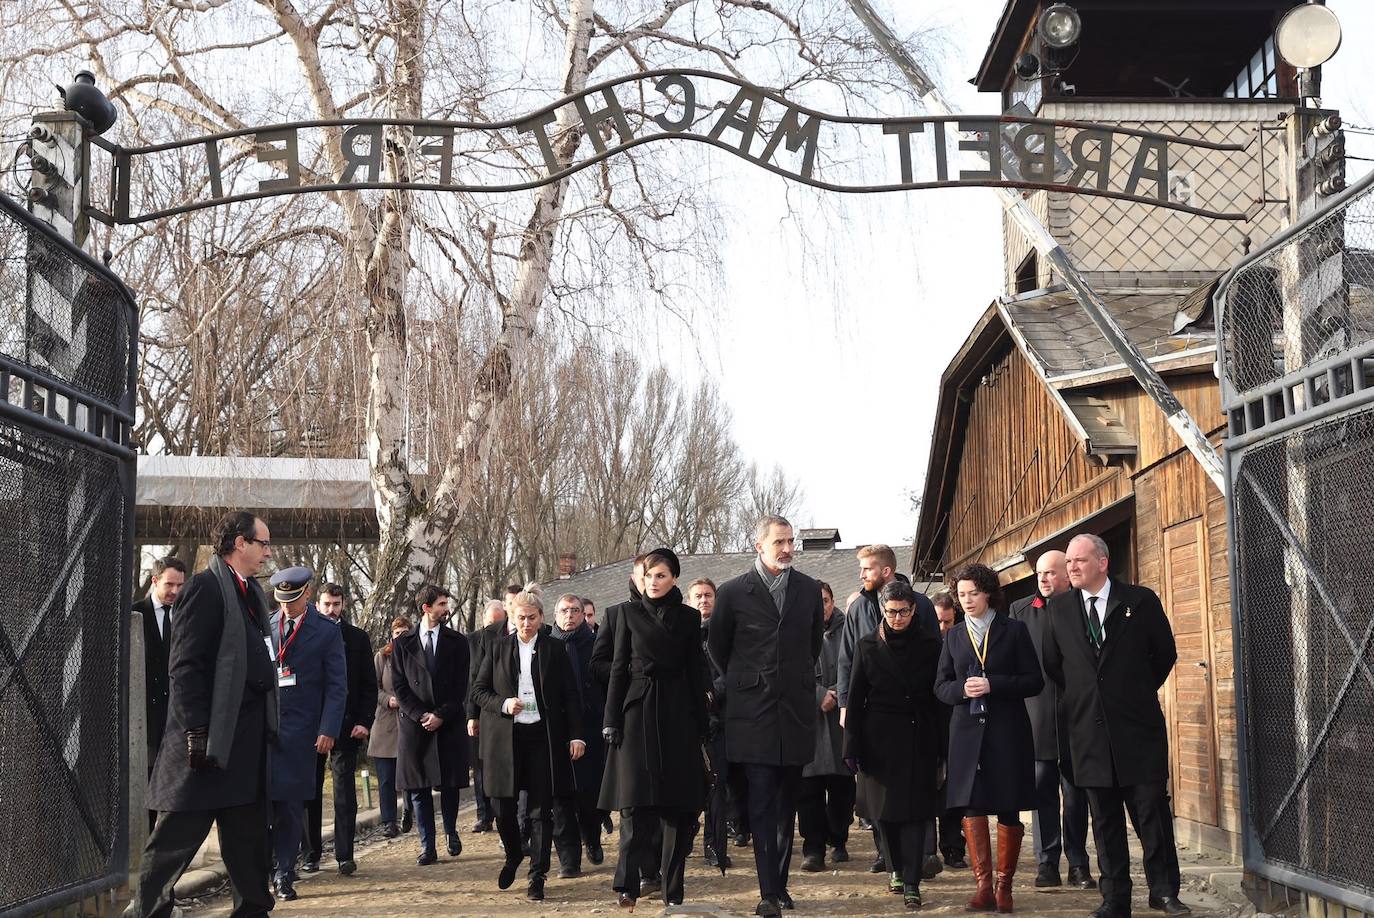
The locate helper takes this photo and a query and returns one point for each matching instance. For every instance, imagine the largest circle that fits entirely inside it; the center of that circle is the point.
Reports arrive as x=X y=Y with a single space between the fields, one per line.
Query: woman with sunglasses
x=892 y=734
x=988 y=668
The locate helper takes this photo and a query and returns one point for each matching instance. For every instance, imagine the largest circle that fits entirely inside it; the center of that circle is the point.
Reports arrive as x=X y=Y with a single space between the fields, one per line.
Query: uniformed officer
x=312 y=684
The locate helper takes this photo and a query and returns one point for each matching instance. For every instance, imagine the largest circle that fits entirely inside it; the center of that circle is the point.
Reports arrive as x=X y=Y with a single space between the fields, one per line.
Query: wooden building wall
x=1179 y=535
x=1008 y=420
x=1181 y=551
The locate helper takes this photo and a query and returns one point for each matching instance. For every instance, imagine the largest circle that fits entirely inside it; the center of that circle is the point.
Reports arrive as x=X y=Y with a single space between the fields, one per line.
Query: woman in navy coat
x=988 y=668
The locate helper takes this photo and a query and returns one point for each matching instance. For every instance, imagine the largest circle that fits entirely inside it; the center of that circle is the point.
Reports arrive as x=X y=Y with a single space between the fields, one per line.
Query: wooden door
x=1189 y=696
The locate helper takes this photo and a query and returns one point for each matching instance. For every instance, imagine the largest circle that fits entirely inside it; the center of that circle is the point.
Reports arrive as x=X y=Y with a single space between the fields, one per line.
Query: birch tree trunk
x=416 y=533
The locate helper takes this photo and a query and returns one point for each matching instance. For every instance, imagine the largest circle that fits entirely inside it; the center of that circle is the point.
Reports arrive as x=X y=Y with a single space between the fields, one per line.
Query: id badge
x=285 y=678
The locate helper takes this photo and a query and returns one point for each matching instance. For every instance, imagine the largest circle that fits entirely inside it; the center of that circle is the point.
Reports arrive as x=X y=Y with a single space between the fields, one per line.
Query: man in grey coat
x=826 y=805
x=765 y=636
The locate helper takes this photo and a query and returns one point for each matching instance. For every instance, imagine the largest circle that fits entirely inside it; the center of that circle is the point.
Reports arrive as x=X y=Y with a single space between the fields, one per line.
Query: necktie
x=1094 y=621
x=162 y=613
x=429 y=650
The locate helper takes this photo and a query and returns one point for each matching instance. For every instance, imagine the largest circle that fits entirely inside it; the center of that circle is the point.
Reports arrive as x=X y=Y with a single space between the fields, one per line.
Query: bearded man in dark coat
x=429 y=668
x=211 y=768
x=1109 y=648
x=765 y=636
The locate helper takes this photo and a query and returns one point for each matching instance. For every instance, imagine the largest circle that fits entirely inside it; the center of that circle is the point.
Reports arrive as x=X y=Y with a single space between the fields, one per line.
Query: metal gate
x=1296 y=325
x=68 y=332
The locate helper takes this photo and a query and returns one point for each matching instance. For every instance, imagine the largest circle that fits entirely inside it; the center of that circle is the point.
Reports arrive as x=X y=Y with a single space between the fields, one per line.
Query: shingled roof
x=608 y=584
x=1061 y=338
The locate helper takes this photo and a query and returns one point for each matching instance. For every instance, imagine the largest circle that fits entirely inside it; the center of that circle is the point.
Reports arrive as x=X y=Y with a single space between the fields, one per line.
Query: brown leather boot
x=980 y=859
x=1008 y=853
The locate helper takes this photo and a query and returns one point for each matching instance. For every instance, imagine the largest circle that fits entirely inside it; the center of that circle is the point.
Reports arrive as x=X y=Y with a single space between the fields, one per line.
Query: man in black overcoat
x=169 y=576
x=765 y=636
x=429 y=669
x=1051 y=779
x=222 y=712
x=576 y=818
x=1109 y=648
x=360 y=708
x=493 y=626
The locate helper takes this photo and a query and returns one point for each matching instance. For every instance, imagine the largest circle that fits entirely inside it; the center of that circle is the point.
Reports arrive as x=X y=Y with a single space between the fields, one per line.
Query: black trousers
x=312 y=840
x=771 y=802
x=1052 y=832
x=825 y=808
x=1148 y=808
x=576 y=822
x=243 y=843
x=486 y=812
x=534 y=777
x=951 y=836
x=905 y=844
x=654 y=841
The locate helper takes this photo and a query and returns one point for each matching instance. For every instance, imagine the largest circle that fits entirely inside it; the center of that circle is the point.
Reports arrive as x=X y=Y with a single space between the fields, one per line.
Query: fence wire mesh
x=65 y=548
x=1305 y=300
x=1302 y=509
x=1295 y=337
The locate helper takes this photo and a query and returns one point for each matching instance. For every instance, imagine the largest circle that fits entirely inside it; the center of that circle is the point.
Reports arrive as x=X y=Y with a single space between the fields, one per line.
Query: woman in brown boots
x=987 y=669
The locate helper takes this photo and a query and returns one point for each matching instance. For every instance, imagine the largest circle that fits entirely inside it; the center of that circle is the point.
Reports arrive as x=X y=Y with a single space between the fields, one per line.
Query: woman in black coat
x=530 y=733
x=892 y=733
x=987 y=669
x=654 y=727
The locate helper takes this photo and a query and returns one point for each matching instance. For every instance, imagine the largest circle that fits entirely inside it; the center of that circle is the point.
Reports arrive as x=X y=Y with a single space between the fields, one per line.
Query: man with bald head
x=1053 y=773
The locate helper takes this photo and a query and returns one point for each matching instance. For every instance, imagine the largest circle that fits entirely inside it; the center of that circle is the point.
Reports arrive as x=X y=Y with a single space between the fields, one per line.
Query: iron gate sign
x=756 y=124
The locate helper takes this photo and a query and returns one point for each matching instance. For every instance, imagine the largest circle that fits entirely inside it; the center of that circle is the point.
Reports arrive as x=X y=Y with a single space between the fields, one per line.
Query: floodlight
x=1308 y=36
x=1060 y=26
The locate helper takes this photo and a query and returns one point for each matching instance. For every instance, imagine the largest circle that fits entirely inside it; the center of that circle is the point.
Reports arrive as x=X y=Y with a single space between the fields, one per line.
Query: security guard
x=312 y=685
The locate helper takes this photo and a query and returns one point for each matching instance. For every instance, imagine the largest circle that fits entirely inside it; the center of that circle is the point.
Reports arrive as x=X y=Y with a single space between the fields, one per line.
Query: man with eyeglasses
x=222 y=712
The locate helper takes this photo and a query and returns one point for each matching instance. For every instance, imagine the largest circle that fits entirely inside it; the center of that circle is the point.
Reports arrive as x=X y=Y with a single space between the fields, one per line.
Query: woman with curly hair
x=988 y=668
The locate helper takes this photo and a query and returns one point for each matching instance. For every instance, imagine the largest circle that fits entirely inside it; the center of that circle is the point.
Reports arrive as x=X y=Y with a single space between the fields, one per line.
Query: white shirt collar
x=426 y=630
x=1102 y=596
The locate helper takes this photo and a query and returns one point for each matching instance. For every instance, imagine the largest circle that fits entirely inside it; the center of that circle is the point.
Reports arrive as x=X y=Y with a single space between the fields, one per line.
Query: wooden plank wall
x=1171 y=493
x=1007 y=420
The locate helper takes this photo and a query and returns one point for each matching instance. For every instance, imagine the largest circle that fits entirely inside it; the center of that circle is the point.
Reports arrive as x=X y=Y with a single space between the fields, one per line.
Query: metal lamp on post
x=1307 y=37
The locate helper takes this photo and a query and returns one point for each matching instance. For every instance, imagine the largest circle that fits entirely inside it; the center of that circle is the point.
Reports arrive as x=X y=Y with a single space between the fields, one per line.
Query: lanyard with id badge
x=285 y=677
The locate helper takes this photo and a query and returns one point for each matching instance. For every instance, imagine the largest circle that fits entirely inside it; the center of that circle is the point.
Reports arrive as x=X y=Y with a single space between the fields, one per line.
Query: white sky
x=838 y=324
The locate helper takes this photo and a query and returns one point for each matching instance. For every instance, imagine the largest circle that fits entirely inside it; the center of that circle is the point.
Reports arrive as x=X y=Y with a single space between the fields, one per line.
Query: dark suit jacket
x=155 y=681
x=478 y=643
x=360 y=709
x=1043 y=708
x=560 y=713
x=1111 y=701
x=425 y=759
x=769 y=661
x=603 y=650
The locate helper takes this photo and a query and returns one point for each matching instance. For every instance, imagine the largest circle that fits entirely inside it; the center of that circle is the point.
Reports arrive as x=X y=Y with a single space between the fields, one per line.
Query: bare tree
x=404 y=287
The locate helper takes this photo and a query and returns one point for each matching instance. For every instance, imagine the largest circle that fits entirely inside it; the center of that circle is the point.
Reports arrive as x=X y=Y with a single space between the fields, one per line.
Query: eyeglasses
x=898 y=613
x=265 y=543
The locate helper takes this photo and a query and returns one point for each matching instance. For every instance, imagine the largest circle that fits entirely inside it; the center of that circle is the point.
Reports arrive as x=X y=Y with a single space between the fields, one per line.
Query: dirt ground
x=388 y=884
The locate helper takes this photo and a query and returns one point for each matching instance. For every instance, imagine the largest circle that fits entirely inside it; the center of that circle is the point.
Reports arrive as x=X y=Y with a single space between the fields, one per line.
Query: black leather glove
x=612 y=736
x=196 y=742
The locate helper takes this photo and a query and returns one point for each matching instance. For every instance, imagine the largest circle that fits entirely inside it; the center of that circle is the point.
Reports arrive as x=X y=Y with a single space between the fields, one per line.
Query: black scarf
x=906 y=646
x=665 y=602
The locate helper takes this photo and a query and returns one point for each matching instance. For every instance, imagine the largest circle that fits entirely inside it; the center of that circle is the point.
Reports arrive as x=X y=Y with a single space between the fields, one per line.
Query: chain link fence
x=1297 y=362
x=66 y=516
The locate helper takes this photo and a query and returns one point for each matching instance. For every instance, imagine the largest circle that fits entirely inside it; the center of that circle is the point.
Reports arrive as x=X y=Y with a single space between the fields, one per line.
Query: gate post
x=60 y=158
